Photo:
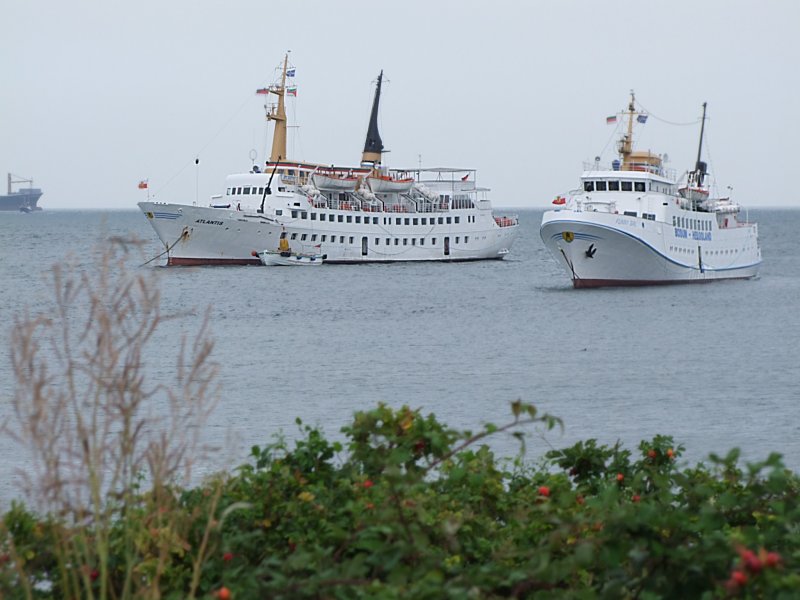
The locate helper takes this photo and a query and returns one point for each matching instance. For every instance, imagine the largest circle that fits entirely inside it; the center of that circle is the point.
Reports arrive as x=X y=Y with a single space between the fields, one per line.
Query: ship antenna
x=373 y=146
x=700 y=166
x=279 y=116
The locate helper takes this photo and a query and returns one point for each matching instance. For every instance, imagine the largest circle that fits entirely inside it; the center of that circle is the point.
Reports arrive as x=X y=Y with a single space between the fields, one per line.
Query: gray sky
x=98 y=94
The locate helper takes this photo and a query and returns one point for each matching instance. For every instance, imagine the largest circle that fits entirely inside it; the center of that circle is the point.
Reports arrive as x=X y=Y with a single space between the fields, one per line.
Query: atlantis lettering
x=206 y=222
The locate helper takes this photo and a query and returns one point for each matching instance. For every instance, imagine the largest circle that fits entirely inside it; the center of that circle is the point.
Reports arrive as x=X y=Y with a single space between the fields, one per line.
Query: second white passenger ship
x=349 y=214
x=634 y=223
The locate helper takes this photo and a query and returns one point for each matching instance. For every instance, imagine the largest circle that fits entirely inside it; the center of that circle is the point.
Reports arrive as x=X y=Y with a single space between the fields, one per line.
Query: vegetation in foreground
x=404 y=507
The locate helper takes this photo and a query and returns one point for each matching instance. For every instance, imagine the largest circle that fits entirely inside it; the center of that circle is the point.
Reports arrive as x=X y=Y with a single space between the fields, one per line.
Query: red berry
x=652 y=453
x=94 y=574
x=636 y=498
x=670 y=453
x=544 y=491
x=620 y=477
x=752 y=563
x=227 y=557
x=368 y=483
x=773 y=559
x=223 y=593
x=740 y=577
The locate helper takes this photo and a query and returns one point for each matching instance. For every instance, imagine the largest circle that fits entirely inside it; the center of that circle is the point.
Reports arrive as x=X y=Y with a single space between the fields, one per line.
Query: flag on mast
x=610 y=120
x=143 y=184
x=292 y=91
x=262 y=91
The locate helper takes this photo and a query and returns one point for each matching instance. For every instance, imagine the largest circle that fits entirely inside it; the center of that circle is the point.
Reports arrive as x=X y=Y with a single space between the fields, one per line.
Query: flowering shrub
x=406 y=507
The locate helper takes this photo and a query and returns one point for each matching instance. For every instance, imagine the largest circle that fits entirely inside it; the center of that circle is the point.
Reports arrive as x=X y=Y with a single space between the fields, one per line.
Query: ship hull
x=20 y=201
x=602 y=249
x=194 y=235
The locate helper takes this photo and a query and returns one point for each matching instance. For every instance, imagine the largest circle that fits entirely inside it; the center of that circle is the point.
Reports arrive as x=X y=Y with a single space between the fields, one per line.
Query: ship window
x=416 y=221
x=588 y=186
x=358 y=219
x=638 y=186
x=324 y=237
x=613 y=186
x=294 y=236
x=303 y=215
x=279 y=212
x=294 y=214
x=281 y=189
x=397 y=221
x=413 y=241
x=313 y=216
x=627 y=186
x=396 y=241
x=466 y=239
x=405 y=241
x=388 y=241
x=374 y=220
x=457 y=219
x=421 y=241
x=340 y=219
x=303 y=237
x=247 y=190
x=458 y=239
x=377 y=241
x=408 y=221
x=283 y=235
x=351 y=240
x=228 y=192
x=600 y=186
x=349 y=218
x=448 y=220
x=441 y=220
x=424 y=221
x=433 y=241
x=313 y=237
x=341 y=239
x=238 y=190
x=260 y=191
x=630 y=213
x=674 y=220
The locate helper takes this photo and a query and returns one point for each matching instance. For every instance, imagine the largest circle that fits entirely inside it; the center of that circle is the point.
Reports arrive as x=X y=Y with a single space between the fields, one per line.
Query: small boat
x=284 y=257
x=337 y=182
x=388 y=184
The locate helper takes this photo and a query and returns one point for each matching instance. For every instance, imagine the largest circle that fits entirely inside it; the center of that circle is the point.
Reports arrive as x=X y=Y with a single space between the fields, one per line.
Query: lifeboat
x=386 y=184
x=336 y=182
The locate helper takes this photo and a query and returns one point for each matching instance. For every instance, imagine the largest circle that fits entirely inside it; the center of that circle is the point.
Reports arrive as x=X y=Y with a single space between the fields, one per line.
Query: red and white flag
x=143 y=184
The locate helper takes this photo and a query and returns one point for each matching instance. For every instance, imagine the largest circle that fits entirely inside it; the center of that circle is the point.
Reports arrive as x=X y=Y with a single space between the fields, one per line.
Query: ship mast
x=626 y=143
x=279 y=116
x=373 y=146
x=700 y=166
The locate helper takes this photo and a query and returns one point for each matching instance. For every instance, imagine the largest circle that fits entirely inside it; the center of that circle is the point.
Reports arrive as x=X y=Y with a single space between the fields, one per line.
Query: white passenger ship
x=634 y=223
x=351 y=214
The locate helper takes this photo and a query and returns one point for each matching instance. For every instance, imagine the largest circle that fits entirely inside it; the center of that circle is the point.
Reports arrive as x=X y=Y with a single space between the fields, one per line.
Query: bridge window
x=627 y=186
x=638 y=186
x=588 y=186
x=613 y=186
x=600 y=186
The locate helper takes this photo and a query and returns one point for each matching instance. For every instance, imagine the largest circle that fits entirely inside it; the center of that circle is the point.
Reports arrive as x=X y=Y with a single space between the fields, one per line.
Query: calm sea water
x=714 y=365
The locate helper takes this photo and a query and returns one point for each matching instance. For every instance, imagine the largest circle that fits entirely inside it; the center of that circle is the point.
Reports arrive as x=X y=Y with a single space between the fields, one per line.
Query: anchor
x=590 y=252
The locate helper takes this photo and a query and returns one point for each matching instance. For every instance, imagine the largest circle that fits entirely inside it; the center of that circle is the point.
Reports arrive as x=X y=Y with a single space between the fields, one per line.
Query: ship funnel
x=701 y=170
x=373 y=147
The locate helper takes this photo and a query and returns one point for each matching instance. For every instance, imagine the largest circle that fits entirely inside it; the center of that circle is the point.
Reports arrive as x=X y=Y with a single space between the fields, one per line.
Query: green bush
x=409 y=508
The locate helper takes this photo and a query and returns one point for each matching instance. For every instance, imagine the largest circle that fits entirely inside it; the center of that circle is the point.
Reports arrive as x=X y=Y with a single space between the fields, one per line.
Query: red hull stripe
x=194 y=262
x=594 y=283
